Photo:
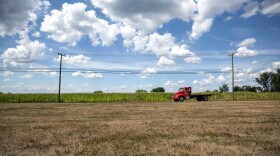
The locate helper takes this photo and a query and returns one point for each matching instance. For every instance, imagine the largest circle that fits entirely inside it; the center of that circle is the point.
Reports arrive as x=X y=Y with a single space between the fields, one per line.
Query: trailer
x=185 y=93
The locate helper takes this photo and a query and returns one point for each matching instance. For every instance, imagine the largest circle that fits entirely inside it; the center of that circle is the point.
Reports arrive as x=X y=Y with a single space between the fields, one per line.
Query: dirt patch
x=189 y=128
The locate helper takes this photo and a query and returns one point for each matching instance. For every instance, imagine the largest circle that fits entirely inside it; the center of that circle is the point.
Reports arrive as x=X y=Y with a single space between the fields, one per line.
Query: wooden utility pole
x=232 y=69
x=59 y=84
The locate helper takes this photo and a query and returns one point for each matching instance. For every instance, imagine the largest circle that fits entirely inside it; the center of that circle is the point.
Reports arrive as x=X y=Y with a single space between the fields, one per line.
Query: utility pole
x=59 y=85
x=232 y=68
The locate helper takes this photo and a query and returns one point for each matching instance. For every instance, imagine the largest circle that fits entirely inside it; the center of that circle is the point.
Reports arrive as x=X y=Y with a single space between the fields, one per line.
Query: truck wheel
x=205 y=98
x=181 y=98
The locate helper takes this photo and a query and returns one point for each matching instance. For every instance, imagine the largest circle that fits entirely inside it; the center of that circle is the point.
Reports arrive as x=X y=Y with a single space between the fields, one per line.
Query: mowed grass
x=165 y=128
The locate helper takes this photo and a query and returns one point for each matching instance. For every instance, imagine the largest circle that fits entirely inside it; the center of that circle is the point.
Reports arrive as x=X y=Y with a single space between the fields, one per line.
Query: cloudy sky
x=125 y=45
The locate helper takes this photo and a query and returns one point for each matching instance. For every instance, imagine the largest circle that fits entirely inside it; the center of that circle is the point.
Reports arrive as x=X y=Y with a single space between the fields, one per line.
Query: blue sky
x=125 y=45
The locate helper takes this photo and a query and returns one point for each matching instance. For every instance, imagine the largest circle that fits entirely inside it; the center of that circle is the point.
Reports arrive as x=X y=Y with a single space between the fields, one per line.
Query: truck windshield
x=181 y=89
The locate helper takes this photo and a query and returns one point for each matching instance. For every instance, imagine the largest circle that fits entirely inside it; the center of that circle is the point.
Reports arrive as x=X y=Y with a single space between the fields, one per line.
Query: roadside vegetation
x=128 y=97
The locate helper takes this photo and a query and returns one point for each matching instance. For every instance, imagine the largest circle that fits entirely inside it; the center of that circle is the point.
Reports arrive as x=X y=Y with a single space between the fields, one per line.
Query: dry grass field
x=189 y=128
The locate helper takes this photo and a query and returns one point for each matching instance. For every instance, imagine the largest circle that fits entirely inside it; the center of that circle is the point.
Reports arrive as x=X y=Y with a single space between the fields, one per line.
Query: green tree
x=237 y=88
x=98 y=91
x=224 y=88
x=265 y=80
x=275 y=81
x=158 y=89
x=141 y=91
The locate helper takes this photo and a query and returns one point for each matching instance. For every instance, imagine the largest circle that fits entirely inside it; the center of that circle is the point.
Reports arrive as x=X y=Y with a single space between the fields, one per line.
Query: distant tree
x=98 y=91
x=207 y=91
x=265 y=80
x=249 y=88
x=275 y=81
x=159 y=89
x=141 y=91
x=215 y=91
x=1 y=93
x=237 y=88
x=224 y=88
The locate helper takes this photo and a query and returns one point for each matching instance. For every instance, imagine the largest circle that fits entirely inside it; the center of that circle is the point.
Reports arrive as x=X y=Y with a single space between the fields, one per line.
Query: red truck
x=185 y=93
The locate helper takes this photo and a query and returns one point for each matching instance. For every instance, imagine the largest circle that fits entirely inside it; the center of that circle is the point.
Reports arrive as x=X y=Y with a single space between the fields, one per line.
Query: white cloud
x=36 y=34
x=160 y=44
x=146 y=15
x=207 y=81
x=88 y=75
x=247 y=42
x=181 y=81
x=43 y=70
x=26 y=52
x=193 y=59
x=164 y=61
x=6 y=80
x=15 y=15
x=149 y=71
x=170 y=84
x=207 y=11
x=26 y=76
x=226 y=69
x=250 y=9
x=77 y=60
x=255 y=62
x=7 y=73
x=221 y=78
x=276 y=65
x=73 y=22
x=210 y=80
x=245 y=52
x=270 y=7
x=180 y=51
x=228 y=18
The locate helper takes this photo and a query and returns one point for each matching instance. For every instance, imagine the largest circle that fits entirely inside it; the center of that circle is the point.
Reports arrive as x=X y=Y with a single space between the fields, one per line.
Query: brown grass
x=190 y=128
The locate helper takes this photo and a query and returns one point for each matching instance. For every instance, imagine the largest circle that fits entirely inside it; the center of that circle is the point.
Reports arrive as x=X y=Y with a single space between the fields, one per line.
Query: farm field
x=131 y=128
x=129 y=97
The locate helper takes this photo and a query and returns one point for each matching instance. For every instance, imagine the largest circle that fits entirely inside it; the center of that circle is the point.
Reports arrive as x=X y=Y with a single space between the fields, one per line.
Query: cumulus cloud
x=247 y=42
x=73 y=22
x=15 y=15
x=207 y=10
x=36 y=34
x=149 y=71
x=226 y=69
x=245 y=52
x=146 y=15
x=180 y=51
x=164 y=61
x=210 y=80
x=276 y=65
x=76 y=60
x=221 y=78
x=26 y=52
x=254 y=62
x=87 y=75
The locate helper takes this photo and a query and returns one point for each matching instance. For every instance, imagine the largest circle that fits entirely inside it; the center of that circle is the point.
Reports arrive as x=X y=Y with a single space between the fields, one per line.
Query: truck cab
x=182 y=94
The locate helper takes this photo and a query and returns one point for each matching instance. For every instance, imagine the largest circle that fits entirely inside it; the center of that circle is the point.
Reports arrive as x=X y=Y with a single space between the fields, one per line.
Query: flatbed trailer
x=185 y=93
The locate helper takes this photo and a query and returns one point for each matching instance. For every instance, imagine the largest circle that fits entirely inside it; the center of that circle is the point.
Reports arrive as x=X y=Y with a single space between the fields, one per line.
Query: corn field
x=127 y=97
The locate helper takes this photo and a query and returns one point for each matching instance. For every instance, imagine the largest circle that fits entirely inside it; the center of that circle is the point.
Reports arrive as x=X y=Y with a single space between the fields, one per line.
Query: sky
x=126 y=45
